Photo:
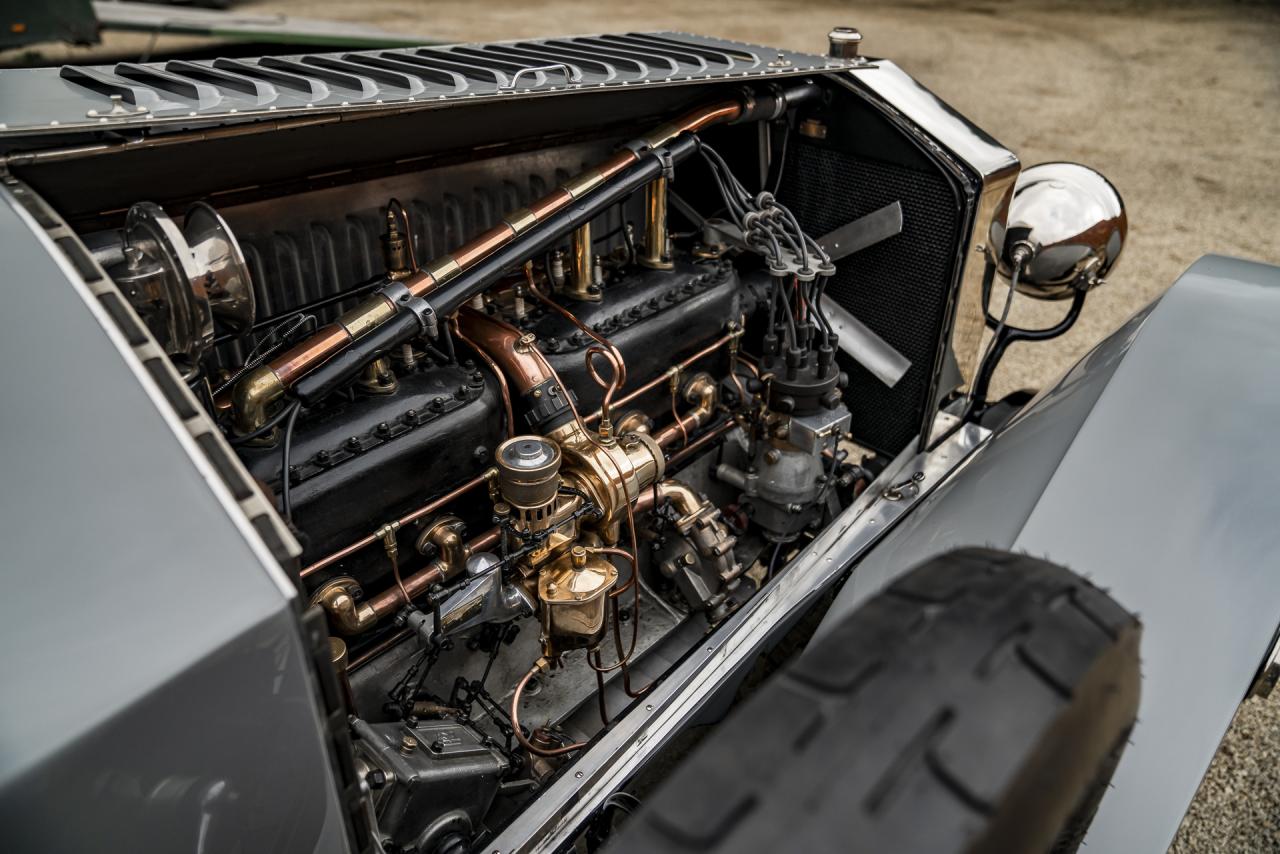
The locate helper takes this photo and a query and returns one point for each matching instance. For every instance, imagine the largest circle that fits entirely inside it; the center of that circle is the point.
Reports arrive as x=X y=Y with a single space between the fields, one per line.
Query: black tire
x=974 y=706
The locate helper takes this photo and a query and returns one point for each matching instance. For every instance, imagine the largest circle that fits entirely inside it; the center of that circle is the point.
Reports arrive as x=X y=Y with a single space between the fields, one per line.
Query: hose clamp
x=403 y=298
x=668 y=165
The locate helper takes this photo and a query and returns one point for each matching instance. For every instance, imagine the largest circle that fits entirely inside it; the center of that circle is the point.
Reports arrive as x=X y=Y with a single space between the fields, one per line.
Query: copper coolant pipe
x=425 y=510
x=512 y=349
x=666 y=375
x=702 y=392
x=498 y=375
x=391 y=600
x=267 y=383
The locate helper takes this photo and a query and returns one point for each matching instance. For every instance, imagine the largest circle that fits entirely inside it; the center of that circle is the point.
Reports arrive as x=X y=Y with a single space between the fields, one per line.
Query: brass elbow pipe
x=346 y=615
x=349 y=616
x=701 y=392
x=682 y=497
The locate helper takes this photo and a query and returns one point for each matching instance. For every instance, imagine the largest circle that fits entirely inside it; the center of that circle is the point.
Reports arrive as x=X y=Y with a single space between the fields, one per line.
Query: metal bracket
x=399 y=294
x=668 y=166
x=908 y=488
x=571 y=74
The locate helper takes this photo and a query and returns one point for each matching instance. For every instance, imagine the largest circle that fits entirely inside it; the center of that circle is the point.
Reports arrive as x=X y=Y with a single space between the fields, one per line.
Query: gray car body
x=156 y=696
x=1150 y=468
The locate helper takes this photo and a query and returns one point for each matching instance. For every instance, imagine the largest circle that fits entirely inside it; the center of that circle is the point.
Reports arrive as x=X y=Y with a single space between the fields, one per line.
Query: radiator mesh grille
x=898 y=287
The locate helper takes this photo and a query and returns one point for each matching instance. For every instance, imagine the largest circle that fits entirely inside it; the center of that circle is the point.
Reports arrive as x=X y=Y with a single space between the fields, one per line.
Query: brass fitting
x=613 y=474
x=582 y=285
x=395 y=248
x=251 y=396
x=573 y=591
x=521 y=220
x=452 y=551
x=657 y=254
x=367 y=316
x=378 y=378
x=338 y=599
x=582 y=183
x=701 y=391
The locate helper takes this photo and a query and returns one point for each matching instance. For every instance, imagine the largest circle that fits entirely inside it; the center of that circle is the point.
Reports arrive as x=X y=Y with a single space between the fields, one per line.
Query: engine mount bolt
x=377 y=778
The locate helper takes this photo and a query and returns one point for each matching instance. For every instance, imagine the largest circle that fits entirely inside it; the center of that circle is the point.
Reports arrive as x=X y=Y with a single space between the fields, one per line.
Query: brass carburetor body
x=560 y=494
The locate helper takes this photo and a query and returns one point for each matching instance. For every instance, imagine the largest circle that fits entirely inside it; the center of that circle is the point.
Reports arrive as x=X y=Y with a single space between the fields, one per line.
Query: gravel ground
x=1178 y=104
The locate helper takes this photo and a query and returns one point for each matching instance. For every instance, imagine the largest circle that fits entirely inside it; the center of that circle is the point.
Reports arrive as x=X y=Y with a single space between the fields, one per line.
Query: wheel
x=976 y=705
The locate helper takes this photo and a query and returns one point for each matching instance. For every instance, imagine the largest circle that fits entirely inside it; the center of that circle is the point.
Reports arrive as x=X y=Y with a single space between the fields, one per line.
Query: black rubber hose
x=286 y=501
x=477 y=278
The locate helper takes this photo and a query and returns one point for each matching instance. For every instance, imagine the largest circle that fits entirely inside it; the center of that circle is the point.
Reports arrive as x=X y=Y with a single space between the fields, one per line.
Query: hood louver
x=219 y=91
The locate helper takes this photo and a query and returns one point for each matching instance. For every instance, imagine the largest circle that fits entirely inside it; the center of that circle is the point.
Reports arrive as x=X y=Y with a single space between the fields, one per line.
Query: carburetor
x=790 y=478
x=558 y=506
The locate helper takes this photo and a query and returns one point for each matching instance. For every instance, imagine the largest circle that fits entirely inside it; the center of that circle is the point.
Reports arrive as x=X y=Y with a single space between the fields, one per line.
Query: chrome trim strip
x=602 y=769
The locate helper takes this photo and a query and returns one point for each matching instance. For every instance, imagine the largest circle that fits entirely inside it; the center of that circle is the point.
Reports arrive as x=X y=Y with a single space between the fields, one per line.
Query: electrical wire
x=272 y=423
x=286 y=447
x=773 y=562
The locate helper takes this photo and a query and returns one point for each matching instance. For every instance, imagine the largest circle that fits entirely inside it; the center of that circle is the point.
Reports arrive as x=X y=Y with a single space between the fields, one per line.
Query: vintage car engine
x=585 y=414
x=543 y=404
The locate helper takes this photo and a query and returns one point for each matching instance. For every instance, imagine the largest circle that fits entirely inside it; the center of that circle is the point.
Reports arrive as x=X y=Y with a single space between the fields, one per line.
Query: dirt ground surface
x=1178 y=104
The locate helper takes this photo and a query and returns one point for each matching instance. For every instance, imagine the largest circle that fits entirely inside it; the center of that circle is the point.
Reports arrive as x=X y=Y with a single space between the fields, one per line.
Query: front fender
x=1151 y=468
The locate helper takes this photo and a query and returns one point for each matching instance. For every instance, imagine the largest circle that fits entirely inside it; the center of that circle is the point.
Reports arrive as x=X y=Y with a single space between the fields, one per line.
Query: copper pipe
x=292 y=363
x=699 y=443
x=257 y=394
x=425 y=510
x=550 y=203
x=515 y=721
x=497 y=373
x=378 y=649
x=503 y=343
x=666 y=375
x=679 y=422
x=617 y=552
x=612 y=352
x=483 y=244
x=389 y=600
x=702 y=392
